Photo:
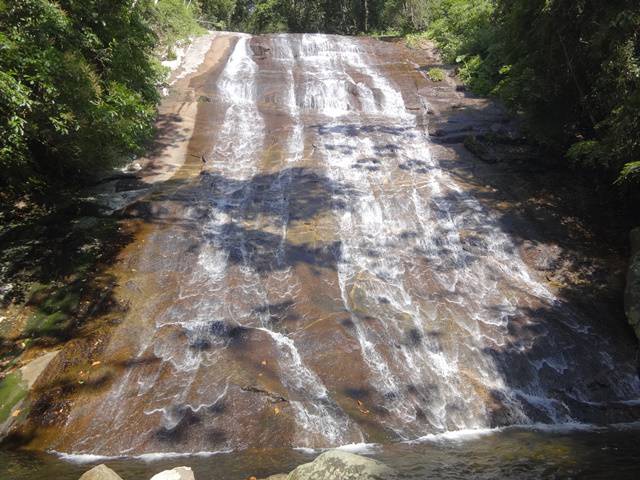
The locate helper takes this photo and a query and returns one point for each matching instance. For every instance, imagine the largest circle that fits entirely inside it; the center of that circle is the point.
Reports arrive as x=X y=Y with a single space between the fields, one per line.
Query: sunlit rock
x=338 y=465
x=101 y=472
x=179 y=473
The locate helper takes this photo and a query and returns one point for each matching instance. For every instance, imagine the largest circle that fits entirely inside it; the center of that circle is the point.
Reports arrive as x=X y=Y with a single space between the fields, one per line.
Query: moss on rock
x=12 y=390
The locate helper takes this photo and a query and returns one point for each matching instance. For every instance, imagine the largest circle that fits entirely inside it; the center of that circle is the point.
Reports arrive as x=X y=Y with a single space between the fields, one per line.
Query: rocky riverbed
x=331 y=465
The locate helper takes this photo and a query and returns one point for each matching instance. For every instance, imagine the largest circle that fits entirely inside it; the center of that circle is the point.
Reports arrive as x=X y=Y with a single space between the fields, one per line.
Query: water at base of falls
x=510 y=454
x=326 y=282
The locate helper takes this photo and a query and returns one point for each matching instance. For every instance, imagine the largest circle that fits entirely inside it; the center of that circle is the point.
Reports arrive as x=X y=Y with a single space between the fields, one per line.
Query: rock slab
x=101 y=472
x=179 y=473
x=339 y=465
x=632 y=292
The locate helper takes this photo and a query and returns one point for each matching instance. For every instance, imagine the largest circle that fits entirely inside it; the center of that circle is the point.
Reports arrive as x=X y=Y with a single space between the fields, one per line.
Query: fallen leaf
x=96 y=363
x=16 y=413
x=276 y=410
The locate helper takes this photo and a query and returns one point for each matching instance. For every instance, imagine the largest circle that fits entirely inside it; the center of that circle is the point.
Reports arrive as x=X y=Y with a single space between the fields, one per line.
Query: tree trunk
x=366 y=16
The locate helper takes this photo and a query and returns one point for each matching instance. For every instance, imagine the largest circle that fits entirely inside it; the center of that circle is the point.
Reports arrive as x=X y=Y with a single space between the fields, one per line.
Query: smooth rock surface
x=363 y=273
x=338 y=465
x=632 y=293
x=179 y=473
x=101 y=472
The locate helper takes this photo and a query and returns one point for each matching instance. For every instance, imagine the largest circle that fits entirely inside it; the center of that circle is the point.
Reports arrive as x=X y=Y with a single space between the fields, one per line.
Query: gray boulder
x=632 y=292
x=339 y=465
x=179 y=473
x=101 y=472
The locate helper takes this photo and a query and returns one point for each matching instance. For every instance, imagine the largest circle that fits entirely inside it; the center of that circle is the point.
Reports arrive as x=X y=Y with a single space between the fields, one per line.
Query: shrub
x=78 y=85
x=436 y=74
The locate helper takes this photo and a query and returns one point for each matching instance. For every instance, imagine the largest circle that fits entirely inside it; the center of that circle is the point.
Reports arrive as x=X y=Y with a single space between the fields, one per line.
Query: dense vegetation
x=78 y=78
x=571 y=68
x=78 y=84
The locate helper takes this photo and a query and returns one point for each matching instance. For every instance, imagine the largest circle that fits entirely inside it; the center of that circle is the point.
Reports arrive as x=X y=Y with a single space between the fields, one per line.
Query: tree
x=77 y=88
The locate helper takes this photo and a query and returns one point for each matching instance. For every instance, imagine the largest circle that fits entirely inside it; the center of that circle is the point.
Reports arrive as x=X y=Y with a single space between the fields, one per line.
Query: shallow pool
x=510 y=453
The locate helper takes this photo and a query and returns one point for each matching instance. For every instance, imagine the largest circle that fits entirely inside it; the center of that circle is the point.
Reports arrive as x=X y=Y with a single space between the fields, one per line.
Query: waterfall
x=326 y=281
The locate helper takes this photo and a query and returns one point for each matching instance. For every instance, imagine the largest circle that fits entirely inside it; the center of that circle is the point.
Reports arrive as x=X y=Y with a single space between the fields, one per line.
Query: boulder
x=101 y=472
x=339 y=465
x=179 y=473
x=632 y=292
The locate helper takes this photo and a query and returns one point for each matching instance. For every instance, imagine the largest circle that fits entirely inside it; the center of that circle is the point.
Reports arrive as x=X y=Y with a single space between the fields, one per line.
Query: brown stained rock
x=101 y=472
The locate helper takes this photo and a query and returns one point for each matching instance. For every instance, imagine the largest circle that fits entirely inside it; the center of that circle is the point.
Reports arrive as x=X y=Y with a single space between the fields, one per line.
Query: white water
x=435 y=214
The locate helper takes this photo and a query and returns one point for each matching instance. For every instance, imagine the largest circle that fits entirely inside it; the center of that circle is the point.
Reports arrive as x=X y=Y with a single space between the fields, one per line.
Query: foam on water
x=470 y=435
x=82 y=458
x=471 y=271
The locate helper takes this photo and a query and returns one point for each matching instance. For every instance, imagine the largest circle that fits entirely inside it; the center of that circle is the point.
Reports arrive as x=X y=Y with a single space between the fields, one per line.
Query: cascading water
x=325 y=281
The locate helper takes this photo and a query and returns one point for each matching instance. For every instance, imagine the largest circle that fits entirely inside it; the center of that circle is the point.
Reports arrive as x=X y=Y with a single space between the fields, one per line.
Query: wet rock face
x=101 y=472
x=338 y=465
x=323 y=279
x=632 y=293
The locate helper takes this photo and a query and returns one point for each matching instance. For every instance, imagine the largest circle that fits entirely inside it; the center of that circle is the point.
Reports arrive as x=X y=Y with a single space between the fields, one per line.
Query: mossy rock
x=12 y=390
x=55 y=310
x=54 y=324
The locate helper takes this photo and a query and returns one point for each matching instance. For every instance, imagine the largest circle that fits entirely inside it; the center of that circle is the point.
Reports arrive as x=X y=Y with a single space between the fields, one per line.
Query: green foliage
x=409 y=15
x=575 y=72
x=77 y=88
x=172 y=20
x=436 y=74
x=571 y=68
x=630 y=172
x=416 y=40
x=462 y=27
x=218 y=12
x=332 y=16
x=268 y=17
